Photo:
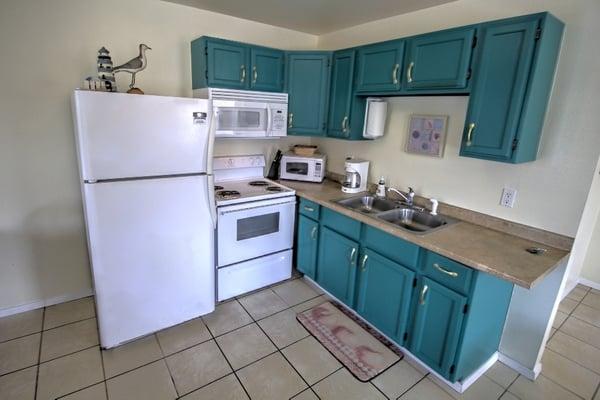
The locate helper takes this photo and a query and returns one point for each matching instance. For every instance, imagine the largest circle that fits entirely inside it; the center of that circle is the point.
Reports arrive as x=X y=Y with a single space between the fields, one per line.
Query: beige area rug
x=363 y=351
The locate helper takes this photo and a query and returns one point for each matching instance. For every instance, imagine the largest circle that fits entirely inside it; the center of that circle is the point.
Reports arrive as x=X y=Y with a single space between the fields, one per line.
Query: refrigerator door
x=151 y=246
x=121 y=135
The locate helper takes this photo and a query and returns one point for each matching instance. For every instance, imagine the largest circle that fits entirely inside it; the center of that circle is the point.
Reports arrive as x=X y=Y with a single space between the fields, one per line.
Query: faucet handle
x=434 y=206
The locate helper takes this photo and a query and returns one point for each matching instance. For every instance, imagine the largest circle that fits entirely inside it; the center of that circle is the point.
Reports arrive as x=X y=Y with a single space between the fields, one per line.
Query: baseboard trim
x=5 y=312
x=587 y=282
x=459 y=386
x=530 y=374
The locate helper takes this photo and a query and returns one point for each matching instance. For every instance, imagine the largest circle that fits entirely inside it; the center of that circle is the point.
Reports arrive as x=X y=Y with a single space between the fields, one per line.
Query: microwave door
x=296 y=168
x=241 y=119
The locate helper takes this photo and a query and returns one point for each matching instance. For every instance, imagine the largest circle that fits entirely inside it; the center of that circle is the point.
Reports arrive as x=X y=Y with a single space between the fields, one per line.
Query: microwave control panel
x=279 y=119
x=318 y=167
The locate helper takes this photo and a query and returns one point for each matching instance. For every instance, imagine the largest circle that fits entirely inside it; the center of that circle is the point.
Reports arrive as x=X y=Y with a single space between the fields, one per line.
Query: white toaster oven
x=302 y=168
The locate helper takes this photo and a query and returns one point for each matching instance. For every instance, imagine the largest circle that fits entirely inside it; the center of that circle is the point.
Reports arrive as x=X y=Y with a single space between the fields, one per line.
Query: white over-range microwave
x=302 y=168
x=247 y=114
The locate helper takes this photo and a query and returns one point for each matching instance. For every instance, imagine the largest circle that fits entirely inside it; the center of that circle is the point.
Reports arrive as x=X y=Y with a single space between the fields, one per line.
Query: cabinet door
x=227 y=65
x=340 y=99
x=380 y=67
x=336 y=270
x=308 y=88
x=306 y=252
x=439 y=60
x=498 y=90
x=384 y=293
x=267 y=69
x=437 y=325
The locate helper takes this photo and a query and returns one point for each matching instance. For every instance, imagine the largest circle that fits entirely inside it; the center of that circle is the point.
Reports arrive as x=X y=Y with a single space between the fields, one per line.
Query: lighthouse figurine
x=105 y=71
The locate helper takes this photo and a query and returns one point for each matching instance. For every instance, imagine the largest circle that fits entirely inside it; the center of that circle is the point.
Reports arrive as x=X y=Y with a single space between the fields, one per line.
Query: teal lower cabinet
x=336 y=271
x=384 y=293
x=483 y=323
x=437 y=326
x=446 y=314
x=306 y=255
x=456 y=333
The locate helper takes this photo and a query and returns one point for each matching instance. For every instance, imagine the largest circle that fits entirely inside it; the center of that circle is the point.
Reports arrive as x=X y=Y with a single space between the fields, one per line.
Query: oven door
x=241 y=118
x=254 y=229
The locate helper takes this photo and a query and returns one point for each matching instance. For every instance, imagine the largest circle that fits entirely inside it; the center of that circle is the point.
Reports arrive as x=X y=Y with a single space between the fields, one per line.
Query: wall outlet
x=508 y=197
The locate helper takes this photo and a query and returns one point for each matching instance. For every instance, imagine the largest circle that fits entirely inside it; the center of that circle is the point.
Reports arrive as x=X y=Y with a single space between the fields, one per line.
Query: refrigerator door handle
x=211 y=144
x=212 y=206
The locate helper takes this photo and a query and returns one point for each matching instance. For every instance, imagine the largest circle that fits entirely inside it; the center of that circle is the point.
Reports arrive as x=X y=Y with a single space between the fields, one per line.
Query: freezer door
x=151 y=245
x=121 y=135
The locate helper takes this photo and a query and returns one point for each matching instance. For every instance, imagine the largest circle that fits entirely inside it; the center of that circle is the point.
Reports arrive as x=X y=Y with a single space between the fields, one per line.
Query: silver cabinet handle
x=254 y=74
x=423 y=293
x=290 y=120
x=309 y=209
x=352 y=253
x=409 y=77
x=395 y=74
x=243 y=68
x=470 y=133
x=444 y=270
x=313 y=233
x=363 y=264
x=345 y=124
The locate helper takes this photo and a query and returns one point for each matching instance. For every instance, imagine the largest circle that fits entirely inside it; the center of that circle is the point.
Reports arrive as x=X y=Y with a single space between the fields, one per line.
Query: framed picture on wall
x=427 y=135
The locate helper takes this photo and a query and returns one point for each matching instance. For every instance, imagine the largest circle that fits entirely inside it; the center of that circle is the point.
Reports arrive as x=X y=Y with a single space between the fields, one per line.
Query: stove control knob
x=230 y=162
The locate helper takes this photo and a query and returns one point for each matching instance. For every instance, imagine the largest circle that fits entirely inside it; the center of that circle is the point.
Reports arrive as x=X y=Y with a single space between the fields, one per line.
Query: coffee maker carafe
x=357 y=172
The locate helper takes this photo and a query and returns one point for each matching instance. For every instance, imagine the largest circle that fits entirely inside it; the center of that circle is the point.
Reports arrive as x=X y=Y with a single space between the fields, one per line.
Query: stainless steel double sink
x=409 y=218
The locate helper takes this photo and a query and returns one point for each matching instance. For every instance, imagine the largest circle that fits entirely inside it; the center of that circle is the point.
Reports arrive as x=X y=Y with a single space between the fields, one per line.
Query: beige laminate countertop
x=478 y=247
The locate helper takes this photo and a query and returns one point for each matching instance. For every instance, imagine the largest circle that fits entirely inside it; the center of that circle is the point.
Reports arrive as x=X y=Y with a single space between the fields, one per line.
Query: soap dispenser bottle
x=380 y=187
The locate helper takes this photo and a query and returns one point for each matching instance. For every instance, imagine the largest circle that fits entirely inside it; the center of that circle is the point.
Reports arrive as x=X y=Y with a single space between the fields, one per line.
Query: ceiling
x=312 y=16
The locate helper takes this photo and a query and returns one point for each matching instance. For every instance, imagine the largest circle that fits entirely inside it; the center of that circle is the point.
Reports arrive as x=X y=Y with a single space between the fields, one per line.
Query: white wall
x=48 y=48
x=585 y=261
x=552 y=190
x=591 y=264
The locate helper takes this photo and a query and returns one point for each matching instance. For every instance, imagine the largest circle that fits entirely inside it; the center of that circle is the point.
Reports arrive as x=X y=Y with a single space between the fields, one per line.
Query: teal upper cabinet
x=511 y=87
x=266 y=69
x=338 y=256
x=380 y=67
x=439 y=60
x=437 y=326
x=227 y=64
x=306 y=251
x=340 y=100
x=384 y=293
x=307 y=84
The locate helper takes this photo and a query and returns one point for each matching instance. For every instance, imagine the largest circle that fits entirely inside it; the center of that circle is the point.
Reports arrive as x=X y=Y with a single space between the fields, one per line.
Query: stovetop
x=253 y=189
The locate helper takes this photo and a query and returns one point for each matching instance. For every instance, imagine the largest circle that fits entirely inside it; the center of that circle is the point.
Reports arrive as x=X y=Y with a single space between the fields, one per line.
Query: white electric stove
x=255 y=226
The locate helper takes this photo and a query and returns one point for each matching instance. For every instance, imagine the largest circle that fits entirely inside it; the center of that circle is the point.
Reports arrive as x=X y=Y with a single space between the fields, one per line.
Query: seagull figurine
x=134 y=66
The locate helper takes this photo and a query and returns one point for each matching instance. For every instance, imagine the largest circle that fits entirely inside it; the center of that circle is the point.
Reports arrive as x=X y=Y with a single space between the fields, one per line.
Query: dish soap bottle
x=380 y=187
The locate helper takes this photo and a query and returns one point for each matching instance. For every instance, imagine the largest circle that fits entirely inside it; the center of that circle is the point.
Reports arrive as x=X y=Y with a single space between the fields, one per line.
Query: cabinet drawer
x=309 y=208
x=447 y=272
x=392 y=247
x=340 y=223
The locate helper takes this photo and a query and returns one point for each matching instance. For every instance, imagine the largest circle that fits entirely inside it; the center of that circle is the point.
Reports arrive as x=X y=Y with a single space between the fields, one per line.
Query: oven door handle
x=223 y=212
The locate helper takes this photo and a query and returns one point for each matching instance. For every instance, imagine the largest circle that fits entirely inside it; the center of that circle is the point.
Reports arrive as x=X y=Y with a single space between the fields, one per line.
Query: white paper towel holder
x=375 y=116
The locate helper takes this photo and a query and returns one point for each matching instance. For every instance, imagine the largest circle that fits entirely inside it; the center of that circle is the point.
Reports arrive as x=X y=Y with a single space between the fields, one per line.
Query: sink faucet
x=409 y=199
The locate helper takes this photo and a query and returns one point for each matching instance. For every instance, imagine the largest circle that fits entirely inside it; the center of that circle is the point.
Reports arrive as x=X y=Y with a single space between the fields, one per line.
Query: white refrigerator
x=145 y=164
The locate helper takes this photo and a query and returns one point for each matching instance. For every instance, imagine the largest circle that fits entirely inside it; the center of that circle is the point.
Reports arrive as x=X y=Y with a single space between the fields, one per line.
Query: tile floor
x=253 y=347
